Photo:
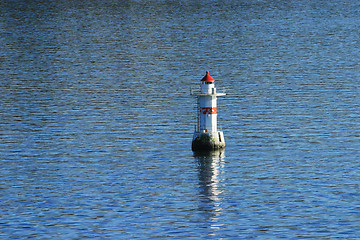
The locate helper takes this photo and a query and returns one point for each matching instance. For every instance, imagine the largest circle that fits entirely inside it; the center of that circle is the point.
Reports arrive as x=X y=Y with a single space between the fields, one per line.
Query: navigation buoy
x=206 y=135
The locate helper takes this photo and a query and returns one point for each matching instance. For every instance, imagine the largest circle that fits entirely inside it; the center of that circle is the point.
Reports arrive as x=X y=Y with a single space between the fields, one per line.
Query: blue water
x=97 y=120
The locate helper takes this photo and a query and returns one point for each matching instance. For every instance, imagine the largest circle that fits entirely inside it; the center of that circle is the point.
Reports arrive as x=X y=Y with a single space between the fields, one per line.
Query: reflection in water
x=211 y=168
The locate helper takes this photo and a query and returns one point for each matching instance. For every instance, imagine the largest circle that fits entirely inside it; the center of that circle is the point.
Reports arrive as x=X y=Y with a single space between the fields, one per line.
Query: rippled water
x=96 y=119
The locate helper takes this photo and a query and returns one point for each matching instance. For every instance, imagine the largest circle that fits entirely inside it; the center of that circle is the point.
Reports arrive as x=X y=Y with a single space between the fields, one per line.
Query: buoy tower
x=206 y=135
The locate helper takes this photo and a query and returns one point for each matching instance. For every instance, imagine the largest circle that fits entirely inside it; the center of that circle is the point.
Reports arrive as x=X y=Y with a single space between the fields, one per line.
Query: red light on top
x=207 y=77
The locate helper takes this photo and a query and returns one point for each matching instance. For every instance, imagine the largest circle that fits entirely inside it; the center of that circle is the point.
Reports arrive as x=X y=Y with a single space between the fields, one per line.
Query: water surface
x=97 y=120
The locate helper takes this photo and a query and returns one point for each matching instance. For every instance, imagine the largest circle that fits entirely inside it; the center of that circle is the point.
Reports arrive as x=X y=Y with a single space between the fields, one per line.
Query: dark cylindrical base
x=208 y=141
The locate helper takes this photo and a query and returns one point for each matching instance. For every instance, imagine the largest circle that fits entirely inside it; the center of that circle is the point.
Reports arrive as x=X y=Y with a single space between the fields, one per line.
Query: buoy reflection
x=211 y=167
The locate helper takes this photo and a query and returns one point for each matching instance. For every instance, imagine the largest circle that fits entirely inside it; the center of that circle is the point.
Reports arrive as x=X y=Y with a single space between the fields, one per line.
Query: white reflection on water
x=211 y=167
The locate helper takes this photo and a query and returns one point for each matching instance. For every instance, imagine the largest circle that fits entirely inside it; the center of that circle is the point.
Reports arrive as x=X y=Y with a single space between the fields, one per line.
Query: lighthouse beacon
x=206 y=135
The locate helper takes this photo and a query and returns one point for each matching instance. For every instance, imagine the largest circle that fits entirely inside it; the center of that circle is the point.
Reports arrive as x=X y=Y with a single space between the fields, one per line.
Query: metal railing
x=196 y=91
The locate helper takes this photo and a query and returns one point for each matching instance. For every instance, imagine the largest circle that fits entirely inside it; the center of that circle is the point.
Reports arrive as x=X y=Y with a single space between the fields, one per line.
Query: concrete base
x=203 y=141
